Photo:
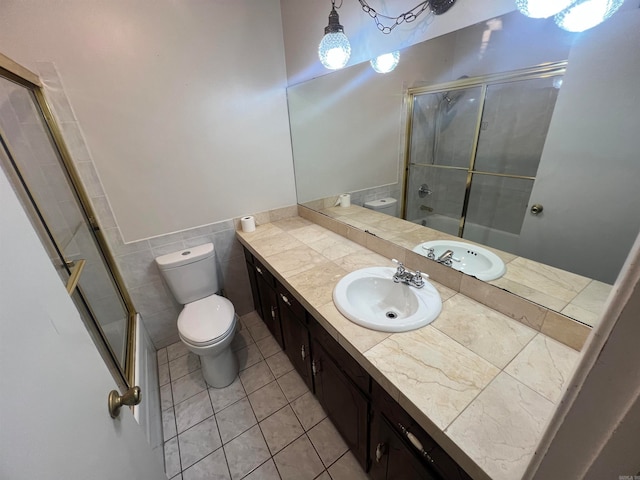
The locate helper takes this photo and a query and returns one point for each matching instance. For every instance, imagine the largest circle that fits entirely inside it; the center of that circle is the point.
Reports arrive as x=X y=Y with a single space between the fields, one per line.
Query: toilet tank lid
x=185 y=257
x=381 y=202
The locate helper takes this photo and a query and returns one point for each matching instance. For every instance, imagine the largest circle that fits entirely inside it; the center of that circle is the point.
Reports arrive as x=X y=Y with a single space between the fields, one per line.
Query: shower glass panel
x=442 y=207
x=443 y=127
x=441 y=147
x=46 y=191
x=515 y=121
x=497 y=206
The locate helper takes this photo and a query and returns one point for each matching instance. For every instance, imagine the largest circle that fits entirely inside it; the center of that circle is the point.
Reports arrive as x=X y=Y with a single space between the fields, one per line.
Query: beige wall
x=182 y=104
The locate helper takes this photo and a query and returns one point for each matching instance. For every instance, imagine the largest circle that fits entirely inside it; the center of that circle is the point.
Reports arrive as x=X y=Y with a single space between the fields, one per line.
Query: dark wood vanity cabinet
x=251 y=271
x=295 y=333
x=265 y=299
x=401 y=450
x=342 y=388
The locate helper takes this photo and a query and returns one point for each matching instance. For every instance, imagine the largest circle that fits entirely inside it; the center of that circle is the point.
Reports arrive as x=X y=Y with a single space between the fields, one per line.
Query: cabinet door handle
x=273 y=313
x=259 y=270
x=314 y=368
x=415 y=442
x=303 y=352
x=285 y=299
x=381 y=450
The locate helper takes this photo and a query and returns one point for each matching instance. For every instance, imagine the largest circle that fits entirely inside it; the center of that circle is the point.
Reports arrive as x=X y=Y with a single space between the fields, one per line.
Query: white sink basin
x=369 y=297
x=467 y=258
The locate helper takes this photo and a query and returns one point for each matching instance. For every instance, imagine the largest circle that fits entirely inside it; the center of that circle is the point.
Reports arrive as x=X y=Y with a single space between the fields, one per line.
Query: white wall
x=182 y=104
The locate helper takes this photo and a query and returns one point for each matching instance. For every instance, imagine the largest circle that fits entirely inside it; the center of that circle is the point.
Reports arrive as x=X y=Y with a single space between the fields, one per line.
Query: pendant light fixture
x=586 y=14
x=385 y=63
x=542 y=8
x=334 y=49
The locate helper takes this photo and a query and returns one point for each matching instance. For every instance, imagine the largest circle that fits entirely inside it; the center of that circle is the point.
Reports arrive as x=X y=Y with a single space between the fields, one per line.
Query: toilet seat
x=206 y=321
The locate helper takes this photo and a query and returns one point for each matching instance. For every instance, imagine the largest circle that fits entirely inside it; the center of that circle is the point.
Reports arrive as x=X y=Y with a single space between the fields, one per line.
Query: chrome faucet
x=407 y=277
x=446 y=258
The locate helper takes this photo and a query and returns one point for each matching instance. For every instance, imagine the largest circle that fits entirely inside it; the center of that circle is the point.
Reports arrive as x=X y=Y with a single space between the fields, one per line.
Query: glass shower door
x=30 y=158
x=443 y=129
x=514 y=127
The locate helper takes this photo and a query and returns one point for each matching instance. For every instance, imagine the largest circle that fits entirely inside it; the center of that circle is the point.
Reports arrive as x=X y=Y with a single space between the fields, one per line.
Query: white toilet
x=207 y=323
x=387 y=205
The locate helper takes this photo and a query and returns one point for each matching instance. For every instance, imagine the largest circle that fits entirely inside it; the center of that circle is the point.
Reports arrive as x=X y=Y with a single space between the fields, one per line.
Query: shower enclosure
x=35 y=160
x=473 y=151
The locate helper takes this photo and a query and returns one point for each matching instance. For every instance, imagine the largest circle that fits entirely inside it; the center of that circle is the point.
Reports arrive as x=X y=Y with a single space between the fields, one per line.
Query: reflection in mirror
x=540 y=168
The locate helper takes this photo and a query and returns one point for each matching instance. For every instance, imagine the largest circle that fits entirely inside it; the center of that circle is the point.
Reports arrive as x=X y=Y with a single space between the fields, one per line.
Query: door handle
x=415 y=442
x=536 y=209
x=76 y=270
x=131 y=397
x=381 y=450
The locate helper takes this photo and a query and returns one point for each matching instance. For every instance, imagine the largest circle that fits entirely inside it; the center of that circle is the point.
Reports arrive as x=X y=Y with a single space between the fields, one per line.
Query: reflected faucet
x=446 y=258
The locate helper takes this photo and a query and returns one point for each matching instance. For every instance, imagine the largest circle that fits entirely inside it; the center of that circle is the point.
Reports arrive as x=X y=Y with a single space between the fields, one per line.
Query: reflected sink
x=467 y=258
x=370 y=298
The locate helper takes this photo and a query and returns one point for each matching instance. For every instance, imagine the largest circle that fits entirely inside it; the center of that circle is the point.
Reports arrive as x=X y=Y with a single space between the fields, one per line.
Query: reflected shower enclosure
x=476 y=144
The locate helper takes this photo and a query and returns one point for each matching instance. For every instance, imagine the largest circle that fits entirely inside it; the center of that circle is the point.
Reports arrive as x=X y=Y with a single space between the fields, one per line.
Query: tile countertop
x=483 y=389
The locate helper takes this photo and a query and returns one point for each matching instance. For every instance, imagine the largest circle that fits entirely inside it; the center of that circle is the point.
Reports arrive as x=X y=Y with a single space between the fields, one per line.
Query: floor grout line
x=288 y=403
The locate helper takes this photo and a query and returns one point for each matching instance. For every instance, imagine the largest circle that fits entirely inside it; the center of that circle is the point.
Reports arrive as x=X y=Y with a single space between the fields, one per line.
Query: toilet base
x=221 y=370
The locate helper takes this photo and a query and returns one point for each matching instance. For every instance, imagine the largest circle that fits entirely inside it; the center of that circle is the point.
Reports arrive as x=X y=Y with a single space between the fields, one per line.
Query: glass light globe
x=334 y=50
x=385 y=63
x=586 y=14
x=542 y=8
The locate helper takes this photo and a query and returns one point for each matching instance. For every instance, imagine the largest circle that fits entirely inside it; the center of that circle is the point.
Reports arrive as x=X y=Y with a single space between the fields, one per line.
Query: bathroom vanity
x=381 y=434
x=421 y=404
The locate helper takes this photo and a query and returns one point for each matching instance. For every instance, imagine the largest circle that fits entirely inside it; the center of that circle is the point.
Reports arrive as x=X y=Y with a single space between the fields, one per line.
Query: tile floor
x=266 y=425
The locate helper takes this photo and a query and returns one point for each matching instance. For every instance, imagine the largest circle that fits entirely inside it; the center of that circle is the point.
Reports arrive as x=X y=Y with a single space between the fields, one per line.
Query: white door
x=587 y=181
x=54 y=422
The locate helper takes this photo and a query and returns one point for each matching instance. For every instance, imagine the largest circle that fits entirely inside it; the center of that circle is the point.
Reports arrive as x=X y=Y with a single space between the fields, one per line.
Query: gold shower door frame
x=542 y=71
x=123 y=374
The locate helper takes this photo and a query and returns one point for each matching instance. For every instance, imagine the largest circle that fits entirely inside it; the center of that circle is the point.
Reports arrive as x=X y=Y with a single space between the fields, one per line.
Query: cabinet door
x=345 y=405
x=424 y=449
x=393 y=458
x=254 y=289
x=269 y=307
x=296 y=340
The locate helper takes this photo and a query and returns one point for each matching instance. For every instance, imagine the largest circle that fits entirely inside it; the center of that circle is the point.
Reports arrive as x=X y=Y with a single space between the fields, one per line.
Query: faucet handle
x=400 y=265
x=418 y=280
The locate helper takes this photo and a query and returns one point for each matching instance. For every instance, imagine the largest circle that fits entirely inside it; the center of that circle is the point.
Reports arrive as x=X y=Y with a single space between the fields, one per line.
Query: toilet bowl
x=207 y=322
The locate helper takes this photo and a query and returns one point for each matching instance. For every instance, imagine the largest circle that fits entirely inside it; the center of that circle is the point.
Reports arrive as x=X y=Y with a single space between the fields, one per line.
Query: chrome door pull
x=133 y=396
x=303 y=352
x=415 y=442
x=285 y=299
x=381 y=449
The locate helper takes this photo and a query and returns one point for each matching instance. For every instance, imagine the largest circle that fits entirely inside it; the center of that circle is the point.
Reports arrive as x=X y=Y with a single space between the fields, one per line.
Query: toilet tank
x=387 y=205
x=191 y=274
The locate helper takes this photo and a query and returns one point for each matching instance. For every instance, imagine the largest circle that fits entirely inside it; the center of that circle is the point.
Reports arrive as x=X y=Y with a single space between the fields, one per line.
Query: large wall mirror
x=472 y=133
